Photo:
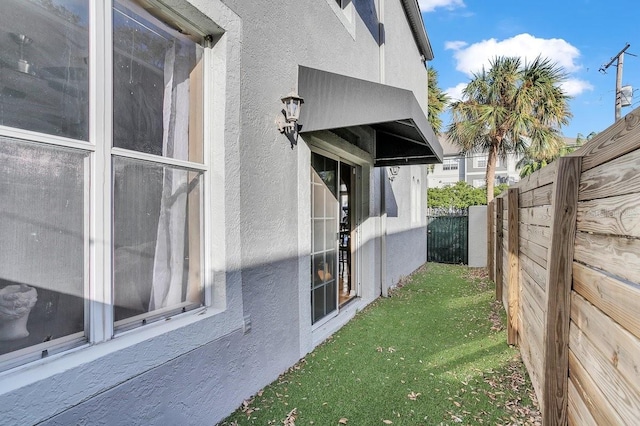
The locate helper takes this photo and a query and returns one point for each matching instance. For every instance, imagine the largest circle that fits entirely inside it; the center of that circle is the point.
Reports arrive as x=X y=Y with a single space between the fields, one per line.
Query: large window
x=101 y=213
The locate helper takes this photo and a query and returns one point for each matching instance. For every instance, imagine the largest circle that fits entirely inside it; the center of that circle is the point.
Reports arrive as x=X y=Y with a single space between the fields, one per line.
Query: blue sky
x=579 y=35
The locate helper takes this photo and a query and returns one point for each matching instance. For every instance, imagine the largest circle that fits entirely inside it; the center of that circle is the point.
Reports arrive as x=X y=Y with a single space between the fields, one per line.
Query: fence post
x=558 y=295
x=490 y=238
x=499 y=247
x=513 y=279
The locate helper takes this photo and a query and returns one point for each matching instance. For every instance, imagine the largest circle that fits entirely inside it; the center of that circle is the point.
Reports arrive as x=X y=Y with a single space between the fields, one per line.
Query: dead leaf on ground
x=387 y=422
x=290 y=420
x=413 y=396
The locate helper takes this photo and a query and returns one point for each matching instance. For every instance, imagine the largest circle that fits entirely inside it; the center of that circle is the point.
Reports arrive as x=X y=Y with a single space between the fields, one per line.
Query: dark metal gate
x=448 y=236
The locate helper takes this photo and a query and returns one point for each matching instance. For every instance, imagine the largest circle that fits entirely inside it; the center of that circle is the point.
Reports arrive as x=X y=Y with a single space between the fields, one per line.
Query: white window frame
x=478 y=183
x=480 y=162
x=99 y=312
x=165 y=341
x=345 y=12
x=450 y=164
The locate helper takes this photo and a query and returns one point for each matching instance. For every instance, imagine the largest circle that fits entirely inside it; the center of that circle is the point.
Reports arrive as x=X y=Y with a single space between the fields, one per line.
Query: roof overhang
x=414 y=15
x=403 y=133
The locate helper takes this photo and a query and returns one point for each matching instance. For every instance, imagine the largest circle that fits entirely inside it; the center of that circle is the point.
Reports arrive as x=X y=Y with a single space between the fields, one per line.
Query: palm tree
x=437 y=100
x=512 y=108
x=529 y=163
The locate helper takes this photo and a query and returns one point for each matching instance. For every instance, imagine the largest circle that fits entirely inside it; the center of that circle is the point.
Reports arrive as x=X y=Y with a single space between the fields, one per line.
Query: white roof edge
x=418 y=29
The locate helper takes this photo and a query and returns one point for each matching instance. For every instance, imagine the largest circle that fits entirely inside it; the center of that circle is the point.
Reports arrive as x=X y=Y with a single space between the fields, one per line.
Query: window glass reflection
x=157 y=86
x=42 y=254
x=44 y=66
x=156 y=231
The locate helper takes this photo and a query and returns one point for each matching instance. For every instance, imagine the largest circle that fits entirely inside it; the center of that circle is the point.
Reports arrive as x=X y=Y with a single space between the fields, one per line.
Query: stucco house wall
x=196 y=369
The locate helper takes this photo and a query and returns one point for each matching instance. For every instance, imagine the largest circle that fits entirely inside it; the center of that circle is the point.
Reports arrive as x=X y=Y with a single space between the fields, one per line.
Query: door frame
x=355 y=234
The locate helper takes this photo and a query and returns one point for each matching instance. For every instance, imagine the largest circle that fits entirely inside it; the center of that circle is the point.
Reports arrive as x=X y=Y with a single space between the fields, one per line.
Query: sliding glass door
x=324 y=236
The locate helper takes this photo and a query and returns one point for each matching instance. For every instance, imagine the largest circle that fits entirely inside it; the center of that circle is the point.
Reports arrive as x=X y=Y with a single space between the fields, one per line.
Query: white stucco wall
x=402 y=65
x=478 y=236
x=198 y=368
x=406 y=223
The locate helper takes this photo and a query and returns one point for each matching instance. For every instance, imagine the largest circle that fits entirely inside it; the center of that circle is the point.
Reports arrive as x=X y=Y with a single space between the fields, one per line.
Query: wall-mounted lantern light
x=393 y=172
x=287 y=121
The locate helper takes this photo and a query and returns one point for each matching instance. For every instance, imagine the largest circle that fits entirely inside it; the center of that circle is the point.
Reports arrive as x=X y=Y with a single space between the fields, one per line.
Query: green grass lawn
x=433 y=353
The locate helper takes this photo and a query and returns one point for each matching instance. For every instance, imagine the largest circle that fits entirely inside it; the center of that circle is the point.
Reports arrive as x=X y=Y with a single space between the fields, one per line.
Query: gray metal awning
x=334 y=101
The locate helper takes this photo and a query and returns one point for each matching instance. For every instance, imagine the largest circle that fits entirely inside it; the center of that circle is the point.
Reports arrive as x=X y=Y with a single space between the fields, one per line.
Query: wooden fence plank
x=534 y=289
x=559 y=275
x=534 y=251
x=617 y=177
x=534 y=317
x=514 y=266
x=611 y=254
x=499 y=246
x=617 y=299
x=537 y=196
x=535 y=271
x=540 y=235
x=540 y=215
x=617 y=140
x=599 y=407
x=615 y=388
x=616 y=344
x=542 y=177
x=578 y=412
x=619 y=215
x=491 y=256
x=534 y=369
x=505 y=283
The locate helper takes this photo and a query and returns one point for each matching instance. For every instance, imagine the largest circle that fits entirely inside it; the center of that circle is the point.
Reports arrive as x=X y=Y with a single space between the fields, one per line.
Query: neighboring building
x=453 y=167
x=476 y=169
x=472 y=167
x=165 y=251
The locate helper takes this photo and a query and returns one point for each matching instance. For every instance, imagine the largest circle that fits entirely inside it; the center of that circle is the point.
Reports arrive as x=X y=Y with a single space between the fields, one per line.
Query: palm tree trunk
x=491 y=171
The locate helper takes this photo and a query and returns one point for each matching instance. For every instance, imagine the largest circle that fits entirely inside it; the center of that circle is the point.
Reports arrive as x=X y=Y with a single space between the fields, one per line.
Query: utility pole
x=619 y=59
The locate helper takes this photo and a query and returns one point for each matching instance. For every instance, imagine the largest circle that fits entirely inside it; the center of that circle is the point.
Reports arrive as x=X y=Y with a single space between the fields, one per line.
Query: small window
x=345 y=12
x=450 y=164
x=481 y=162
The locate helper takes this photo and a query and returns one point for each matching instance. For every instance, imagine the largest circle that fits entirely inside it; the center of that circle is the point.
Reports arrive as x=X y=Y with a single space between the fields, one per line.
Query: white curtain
x=169 y=275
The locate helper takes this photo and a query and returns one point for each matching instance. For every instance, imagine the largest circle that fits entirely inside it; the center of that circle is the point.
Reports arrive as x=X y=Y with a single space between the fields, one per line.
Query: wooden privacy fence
x=564 y=252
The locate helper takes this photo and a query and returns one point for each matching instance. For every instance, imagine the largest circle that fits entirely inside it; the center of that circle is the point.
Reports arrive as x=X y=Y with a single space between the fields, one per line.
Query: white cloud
x=431 y=5
x=473 y=57
x=574 y=87
x=455 y=93
x=455 y=45
x=470 y=58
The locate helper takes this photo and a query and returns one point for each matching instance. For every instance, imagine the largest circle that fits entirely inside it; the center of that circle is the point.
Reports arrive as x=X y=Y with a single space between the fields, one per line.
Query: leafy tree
x=511 y=108
x=459 y=196
x=437 y=100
